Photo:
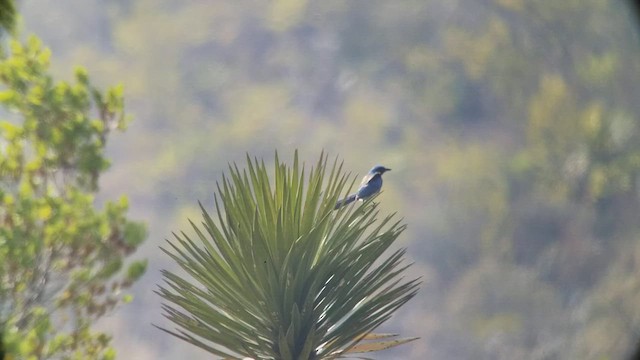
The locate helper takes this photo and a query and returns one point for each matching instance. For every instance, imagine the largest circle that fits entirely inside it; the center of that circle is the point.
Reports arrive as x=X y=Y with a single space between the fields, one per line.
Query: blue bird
x=371 y=184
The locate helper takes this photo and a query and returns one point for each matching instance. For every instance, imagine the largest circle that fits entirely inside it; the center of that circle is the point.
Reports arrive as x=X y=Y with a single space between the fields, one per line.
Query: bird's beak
x=387 y=169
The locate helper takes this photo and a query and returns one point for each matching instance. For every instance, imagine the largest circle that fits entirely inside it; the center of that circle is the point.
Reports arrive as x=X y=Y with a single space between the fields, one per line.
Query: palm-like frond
x=278 y=274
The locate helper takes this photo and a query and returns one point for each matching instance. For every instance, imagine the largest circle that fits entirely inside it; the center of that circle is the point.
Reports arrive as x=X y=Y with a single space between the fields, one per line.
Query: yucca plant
x=279 y=274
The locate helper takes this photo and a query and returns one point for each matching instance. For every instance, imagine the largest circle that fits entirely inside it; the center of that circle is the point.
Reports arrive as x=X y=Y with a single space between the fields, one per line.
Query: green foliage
x=7 y=15
x=279 y=274
x=60 y=257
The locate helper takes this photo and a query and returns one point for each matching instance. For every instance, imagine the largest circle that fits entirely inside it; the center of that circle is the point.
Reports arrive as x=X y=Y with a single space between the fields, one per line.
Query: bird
x=371 y=184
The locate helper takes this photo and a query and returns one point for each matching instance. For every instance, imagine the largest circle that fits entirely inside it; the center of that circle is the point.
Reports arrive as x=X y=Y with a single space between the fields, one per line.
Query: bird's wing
x=366 y=179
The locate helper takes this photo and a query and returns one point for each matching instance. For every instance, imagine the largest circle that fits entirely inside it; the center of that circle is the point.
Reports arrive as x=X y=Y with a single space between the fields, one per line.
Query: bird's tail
x=348 y=200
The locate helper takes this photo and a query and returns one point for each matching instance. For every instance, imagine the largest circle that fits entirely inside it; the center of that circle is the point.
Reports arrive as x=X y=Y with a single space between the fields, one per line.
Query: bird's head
x=379 y=169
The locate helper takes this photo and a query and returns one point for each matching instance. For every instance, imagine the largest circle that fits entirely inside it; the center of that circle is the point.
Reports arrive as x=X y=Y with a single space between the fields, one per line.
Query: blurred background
x=512 y=128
